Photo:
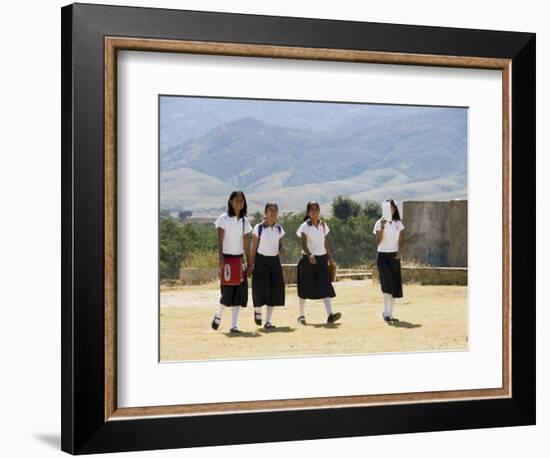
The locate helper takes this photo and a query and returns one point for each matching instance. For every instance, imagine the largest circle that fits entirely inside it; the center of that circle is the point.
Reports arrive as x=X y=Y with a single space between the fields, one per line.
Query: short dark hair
x=230 y=211
x=270 y=204
x=310 y=204
x=395 y=216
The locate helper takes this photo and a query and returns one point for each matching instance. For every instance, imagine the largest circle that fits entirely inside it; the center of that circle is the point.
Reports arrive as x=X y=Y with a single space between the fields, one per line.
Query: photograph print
x=311 y=228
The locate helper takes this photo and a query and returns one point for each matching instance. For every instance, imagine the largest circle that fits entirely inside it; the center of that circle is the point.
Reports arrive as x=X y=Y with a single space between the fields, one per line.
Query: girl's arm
x=380 y=233
x=281 y=247
x=221 y=234
x=327 y=247
x=306 y=249
x=246 y=245
x=253 y=250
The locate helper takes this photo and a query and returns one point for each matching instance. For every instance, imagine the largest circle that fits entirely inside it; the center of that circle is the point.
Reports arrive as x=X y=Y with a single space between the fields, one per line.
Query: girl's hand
x=282 y=251
x=383 y=222
x=249 y=271
x=312 y=259
x=397 y=255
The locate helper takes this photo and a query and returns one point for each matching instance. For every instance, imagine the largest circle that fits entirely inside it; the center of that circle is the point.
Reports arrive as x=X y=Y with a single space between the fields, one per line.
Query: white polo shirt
x=390 y=239
x=233 y=232
x=315 y=237
x=269 y=241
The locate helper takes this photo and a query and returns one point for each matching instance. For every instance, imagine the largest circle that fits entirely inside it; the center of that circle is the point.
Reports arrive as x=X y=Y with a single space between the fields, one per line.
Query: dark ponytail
x=310 y=204
x=395 y=216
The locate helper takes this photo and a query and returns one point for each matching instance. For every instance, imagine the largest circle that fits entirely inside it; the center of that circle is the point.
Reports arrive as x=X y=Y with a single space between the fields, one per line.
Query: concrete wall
x=436 y=233
x=431 y=275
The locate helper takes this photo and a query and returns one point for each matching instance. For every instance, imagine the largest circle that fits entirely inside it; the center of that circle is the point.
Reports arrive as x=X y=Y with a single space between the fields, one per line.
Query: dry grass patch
x=431 y=318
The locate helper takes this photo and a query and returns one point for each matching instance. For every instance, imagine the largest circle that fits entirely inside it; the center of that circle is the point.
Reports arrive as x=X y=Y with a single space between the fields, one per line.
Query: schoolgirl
x=390 y=237
x=268 y=285
x=313 y=273
x=233 y=241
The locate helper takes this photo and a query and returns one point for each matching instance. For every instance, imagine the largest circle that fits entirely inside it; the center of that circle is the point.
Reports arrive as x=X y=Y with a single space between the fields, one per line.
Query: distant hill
x=420 y=154
x=186 y=118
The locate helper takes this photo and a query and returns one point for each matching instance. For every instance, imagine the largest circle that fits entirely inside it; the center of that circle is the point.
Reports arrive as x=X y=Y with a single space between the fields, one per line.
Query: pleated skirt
x=389 y=270
x=268 y=285
x=314 y=279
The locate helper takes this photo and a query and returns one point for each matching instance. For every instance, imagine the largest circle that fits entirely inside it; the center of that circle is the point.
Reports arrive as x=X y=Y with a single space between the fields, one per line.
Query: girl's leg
x=269 y=313
x=387 y=312
x=258 y=315
x=328 y=305
x=302 y=316
x=218 y=316
x=302 y=304
x=331 y=316
x=234 y=316
x=390 y=306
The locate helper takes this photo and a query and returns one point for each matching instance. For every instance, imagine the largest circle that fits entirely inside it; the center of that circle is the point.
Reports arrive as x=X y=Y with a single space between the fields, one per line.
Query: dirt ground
x=431 y=318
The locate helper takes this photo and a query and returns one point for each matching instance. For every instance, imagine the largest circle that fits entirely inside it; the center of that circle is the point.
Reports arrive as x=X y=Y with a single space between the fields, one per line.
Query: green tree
x=185 y=242
x=372 y=209
x=183 y=215
x=172 y=248
x=344 y=207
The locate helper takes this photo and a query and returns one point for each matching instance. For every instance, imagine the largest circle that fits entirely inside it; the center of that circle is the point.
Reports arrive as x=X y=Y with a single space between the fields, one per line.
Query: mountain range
x=292 y=152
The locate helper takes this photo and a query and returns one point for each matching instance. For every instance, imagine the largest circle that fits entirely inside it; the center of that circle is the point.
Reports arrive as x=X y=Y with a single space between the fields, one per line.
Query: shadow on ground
x=325 y=325
x=284 y=329
x=403 y=324
x=243 y=334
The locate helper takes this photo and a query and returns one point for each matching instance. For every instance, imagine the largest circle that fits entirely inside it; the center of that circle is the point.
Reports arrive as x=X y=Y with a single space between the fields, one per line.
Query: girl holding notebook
x=390 y=237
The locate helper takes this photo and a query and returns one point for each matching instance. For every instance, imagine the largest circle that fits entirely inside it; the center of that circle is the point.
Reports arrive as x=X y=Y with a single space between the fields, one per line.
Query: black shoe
x=387 y=319
x=235 y=331
x=268 y=325
x=216 y=323
x=257 y=320
x=334 y=317
x=302 y=320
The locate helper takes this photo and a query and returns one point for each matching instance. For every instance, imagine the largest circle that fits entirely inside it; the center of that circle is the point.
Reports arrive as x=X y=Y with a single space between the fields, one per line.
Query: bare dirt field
x=431 y=318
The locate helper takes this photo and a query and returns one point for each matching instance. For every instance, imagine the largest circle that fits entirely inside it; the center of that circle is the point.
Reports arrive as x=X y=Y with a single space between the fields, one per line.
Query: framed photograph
x=272 y=221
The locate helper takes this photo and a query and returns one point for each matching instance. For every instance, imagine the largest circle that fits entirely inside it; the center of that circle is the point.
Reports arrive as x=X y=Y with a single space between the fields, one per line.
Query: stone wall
x=431 y=275
x=198 y=275
x=436 y=233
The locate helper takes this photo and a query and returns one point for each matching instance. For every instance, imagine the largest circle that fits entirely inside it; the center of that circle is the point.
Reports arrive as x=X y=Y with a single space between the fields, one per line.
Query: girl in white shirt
x=313 y=274
x=233 y=241
x=390 y=237
x=268 y=285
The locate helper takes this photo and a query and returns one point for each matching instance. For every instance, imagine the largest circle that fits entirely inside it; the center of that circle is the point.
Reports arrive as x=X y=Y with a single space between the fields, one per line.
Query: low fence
x=431 y=275
x=410 y=274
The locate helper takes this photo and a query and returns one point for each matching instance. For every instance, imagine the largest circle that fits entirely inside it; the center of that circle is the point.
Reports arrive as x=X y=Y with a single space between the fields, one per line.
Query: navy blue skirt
x=389 y=270
x=314 y=279
x=234 y=294
x=268 y=284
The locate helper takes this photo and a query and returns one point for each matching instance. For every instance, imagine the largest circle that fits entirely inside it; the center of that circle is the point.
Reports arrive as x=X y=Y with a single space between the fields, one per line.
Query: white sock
x=328 y=305
x=302 y=304
x=234 y=315
x=219 y=311
x=387 y=312
x=269 y=313
x=390 y=305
